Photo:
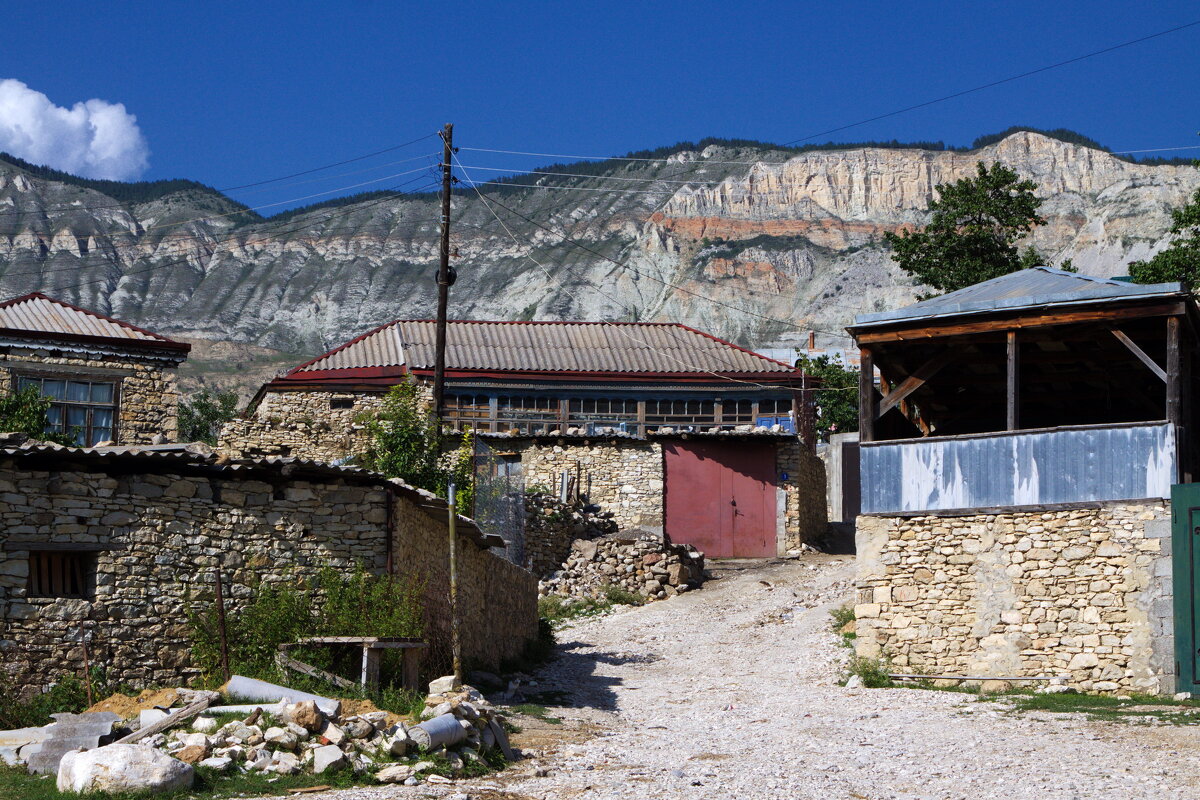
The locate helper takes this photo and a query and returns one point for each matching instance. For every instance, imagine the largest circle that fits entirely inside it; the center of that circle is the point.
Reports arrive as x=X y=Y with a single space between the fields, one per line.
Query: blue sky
x=232 y=93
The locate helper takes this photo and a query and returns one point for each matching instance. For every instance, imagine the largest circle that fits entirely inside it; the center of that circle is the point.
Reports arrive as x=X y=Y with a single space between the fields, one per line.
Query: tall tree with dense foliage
x=1181 y=260
x=406 y=444
x=973 y=233
x=837 y=397
x=201 y=417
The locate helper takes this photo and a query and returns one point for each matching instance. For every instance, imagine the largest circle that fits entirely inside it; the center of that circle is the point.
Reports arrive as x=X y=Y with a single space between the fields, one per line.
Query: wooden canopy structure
x=1035 y=350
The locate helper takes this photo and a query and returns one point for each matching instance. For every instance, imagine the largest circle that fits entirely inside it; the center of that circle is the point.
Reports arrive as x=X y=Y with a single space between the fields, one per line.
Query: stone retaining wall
x=163 y=532
x=804 y=514
x=148 y=399
x=1079 y=592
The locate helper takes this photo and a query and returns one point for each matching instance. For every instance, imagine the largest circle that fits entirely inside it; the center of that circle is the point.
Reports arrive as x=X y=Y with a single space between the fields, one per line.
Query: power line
x=1009 y=79
x=603 y=158
x=620 y=328
x=1156 y=149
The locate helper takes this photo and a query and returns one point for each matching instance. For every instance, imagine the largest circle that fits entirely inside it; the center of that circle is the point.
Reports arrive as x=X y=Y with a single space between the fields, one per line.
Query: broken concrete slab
x=251 y=689
x=123 y=768
x=68 y=732
x=12 y=741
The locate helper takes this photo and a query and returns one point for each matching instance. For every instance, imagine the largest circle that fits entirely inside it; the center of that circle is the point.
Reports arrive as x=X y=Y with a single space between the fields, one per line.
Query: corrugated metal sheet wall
x=1062 y=466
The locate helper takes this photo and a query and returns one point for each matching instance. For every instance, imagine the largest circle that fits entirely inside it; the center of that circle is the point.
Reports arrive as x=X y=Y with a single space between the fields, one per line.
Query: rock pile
x=635 y=561
x=551 y=527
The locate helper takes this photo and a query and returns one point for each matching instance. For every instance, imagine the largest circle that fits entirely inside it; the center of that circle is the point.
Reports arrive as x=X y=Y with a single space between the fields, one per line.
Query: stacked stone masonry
x=314 y=425
x=158 y=535
x=1083 y=593
x=148 y=402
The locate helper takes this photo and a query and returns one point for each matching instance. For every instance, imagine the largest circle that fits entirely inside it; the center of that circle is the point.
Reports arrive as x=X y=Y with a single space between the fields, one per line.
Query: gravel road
x=731 y=692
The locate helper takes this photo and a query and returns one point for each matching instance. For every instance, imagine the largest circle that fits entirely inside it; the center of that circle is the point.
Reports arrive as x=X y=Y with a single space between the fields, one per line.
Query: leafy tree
x=837 y=398
x=201 y=417
x=973 y=232
x=406 y=444
x=25 y=412
x=1181 y=260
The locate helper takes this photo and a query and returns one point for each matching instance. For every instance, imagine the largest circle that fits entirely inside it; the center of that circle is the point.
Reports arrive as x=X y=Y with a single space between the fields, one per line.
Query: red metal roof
x=560 y=348
x=36 y=314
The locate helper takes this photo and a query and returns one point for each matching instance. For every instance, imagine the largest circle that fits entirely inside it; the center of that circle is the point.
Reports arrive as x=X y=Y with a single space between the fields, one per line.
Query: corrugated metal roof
x=546 y=347
x=1036 y=287
x=42 y=314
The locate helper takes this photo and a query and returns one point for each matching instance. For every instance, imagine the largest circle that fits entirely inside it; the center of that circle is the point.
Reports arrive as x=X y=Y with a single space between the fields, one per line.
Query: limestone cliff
x=756 y=245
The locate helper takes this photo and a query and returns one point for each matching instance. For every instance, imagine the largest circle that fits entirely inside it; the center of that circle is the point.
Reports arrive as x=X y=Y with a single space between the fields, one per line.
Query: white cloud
x=93 y=139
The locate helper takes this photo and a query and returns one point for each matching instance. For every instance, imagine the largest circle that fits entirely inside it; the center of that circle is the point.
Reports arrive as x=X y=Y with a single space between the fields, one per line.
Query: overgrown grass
x=873 y=672
x=558 y=610
x=1137 y=708
x=843 y=616
x=537 y=712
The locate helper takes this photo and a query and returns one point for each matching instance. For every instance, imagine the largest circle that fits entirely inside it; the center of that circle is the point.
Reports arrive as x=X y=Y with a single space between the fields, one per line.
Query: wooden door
x=720 y=497
x=1185 y=555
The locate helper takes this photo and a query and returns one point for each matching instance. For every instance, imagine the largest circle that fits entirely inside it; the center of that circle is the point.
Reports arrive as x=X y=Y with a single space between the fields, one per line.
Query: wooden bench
x=372 y=652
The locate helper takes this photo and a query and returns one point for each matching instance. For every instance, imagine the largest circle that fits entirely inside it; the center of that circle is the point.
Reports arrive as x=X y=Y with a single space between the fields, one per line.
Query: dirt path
x=731 y=692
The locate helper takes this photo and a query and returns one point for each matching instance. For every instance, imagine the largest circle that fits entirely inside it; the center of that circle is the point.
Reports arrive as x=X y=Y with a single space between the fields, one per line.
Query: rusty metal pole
x=455 y=641
x=221 y=628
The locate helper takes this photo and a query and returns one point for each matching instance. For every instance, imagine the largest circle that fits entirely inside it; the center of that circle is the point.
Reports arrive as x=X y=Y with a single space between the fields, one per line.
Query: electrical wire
x=992 y=84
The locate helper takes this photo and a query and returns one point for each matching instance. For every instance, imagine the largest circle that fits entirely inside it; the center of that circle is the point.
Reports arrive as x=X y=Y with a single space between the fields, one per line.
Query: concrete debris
x=642 y=565
x=286 y=738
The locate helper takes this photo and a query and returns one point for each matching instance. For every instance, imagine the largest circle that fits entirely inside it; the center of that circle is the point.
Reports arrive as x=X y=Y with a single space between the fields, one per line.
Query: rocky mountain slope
x=756 y=245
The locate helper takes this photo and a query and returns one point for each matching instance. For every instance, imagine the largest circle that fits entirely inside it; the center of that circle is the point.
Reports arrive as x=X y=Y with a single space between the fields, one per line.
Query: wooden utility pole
x=455 y=640
x=443 y=279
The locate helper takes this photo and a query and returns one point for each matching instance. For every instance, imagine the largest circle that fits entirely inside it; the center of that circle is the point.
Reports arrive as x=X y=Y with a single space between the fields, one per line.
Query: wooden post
x=1012 y=399
x=87 y=669
x=221 y=629
x=455 y=641
x=412 y=668
x=1174 y=408
x=868 y=401
x=443 y=280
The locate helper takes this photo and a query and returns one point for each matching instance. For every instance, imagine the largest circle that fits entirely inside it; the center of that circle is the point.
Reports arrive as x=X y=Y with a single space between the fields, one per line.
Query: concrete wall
x=149 y=402
x=165 y=531
x=1081 y=592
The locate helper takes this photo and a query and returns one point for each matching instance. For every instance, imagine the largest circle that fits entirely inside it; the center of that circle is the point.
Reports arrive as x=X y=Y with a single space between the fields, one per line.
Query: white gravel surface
x=731 y=692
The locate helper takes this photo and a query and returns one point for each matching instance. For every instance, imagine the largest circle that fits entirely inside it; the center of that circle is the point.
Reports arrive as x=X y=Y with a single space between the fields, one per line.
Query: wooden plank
x=867 y=399
x=1140 y=353
x=913 y=382
x=412 y=669
x=1013 y=370
x=1174 y=370
x=179 y=717
x=928 y=330
x=287 y=662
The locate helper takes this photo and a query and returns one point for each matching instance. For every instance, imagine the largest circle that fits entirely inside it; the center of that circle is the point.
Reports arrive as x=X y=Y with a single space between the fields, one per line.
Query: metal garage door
x=720 y=497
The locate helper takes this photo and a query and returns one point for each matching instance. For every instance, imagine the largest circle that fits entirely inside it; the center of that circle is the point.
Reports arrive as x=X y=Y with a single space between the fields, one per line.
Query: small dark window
x=61 y=574
x=341 y=402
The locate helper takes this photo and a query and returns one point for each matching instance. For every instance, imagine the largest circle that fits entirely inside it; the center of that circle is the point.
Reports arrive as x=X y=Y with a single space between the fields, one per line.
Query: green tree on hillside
x=973 y=233
x=1181 y=260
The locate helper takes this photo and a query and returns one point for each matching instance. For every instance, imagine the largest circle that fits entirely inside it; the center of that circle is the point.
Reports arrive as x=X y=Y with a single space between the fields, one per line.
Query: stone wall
x=623 y=476
x=497 y=600
x=161 y=532
x=803 y=514
x=551 y=527
x=314 y=425
x=1084 y=593
x=149 y=401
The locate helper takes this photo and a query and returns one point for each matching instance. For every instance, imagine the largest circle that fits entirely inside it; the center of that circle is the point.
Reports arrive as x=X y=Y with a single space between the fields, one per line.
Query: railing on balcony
x=1050 y=466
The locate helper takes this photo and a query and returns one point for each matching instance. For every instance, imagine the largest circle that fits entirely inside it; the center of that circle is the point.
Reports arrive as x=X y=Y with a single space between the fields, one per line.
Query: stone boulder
x=122 y=768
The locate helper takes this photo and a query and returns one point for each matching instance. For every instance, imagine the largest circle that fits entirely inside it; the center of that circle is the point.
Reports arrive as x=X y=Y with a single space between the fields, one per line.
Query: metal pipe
x=455 y=643
x=983 y=677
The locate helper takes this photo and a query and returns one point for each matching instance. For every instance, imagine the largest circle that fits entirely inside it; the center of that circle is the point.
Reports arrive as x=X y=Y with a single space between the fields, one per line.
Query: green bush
x=873 y=672
x=358 y=604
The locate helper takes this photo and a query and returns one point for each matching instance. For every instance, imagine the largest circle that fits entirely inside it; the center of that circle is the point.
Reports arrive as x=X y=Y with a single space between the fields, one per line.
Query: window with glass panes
x=737 y=412
x=83 y=408
x=680 y=412
x=604 y=411
x=529 y=414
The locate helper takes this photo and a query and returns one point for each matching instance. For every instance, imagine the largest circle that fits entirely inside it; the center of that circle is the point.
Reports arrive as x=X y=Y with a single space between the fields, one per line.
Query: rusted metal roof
x=1038 y=287
x=38 y=314
x=561 y=347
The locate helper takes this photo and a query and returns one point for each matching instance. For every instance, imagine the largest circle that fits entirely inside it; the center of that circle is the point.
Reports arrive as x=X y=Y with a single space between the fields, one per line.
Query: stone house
x=637 y=403
x=108 y=381
x=1017 y=465
x=114 y=546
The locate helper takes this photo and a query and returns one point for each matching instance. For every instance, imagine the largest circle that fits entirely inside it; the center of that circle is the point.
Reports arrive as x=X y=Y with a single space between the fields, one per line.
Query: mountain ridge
x=757 y=252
